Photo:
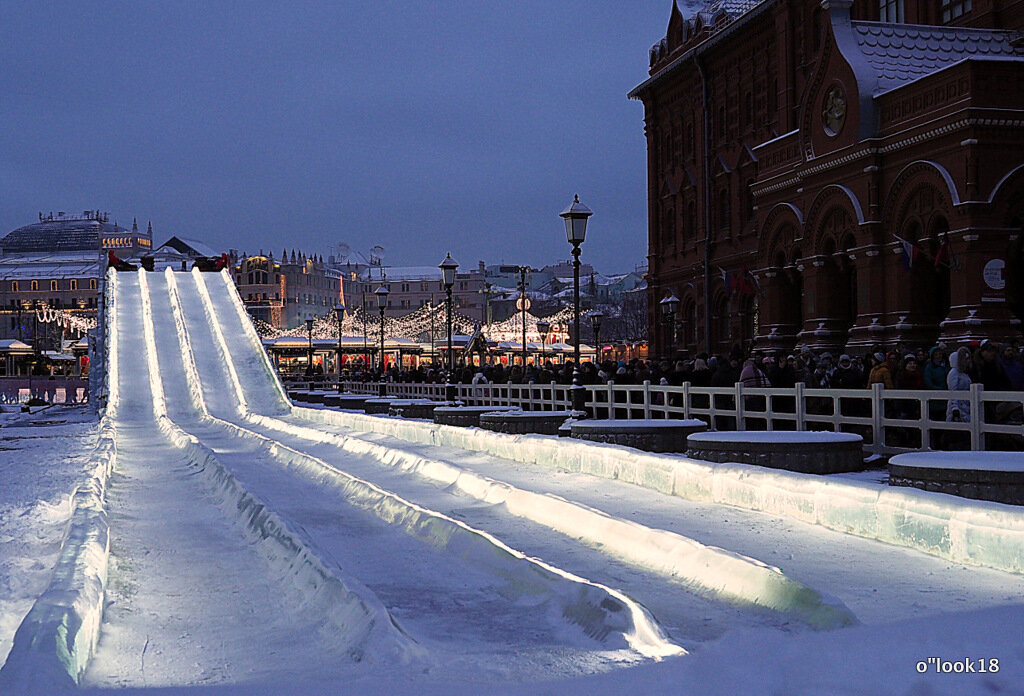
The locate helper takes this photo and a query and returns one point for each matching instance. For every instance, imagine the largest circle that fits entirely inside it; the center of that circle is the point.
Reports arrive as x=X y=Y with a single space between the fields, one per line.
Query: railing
x=889 y=420
x=54 y=390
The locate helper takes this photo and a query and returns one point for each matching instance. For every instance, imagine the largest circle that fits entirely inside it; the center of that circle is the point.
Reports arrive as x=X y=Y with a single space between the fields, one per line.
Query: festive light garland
x=421 y=322
x=67 y=320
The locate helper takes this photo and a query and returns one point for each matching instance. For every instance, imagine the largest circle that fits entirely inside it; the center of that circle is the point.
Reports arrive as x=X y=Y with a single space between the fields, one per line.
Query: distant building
x=412 y=287
x=837 y=174
x=285 y=291
x=59 y=263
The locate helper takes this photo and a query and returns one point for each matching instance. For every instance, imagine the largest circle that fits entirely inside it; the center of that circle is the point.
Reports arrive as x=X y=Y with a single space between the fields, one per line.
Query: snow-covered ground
x=258 y=548
x=42 y=455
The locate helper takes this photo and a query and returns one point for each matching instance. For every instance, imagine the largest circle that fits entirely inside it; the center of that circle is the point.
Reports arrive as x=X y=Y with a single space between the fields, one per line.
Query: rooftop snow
x=901 y=53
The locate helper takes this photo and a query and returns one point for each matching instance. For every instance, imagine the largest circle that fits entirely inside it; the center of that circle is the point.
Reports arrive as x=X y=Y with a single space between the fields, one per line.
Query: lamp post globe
x=339 y=310
x=448 y=268
x=543 y=328
x=575 y=218
x=381 y=294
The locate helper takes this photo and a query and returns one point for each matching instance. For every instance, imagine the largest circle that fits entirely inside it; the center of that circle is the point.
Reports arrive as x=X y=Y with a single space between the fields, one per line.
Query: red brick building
x=802 y=154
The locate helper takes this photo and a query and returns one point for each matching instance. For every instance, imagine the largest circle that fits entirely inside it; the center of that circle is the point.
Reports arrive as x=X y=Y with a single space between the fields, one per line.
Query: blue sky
x=424 y=127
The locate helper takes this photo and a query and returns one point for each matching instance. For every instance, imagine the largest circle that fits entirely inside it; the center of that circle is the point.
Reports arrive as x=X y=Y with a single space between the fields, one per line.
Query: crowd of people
x=996 y=367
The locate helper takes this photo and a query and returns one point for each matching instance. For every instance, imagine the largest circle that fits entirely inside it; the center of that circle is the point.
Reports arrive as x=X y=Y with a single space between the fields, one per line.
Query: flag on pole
x=744 y=284
x=727 y=279
x=942 y=255
x=910 y=253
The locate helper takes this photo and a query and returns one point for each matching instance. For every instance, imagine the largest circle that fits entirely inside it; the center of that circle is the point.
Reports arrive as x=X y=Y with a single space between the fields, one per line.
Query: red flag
x=942 y=255
x=744 y=284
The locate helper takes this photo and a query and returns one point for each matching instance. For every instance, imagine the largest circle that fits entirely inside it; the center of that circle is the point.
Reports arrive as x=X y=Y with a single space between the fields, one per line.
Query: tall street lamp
x=575 y=217
x=543 y=327
x=595 y=322
x=487 y=291
x=309 y=363
x=366 y=349
x=35 y=341
x=381 y=294
x=669 y=307
x=448 y=268
x=339 y=309
x=524 y=305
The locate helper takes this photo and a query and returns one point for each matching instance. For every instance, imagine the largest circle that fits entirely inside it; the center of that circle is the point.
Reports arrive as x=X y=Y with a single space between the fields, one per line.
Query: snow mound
x=56 y=639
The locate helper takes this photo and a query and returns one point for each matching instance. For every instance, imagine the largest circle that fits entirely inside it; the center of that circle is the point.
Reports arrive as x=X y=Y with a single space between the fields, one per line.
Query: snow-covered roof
x=902 y=53
x=190 y=247
x=51 y=266
x=399 y=273
x=13 y=345
x=57 y=235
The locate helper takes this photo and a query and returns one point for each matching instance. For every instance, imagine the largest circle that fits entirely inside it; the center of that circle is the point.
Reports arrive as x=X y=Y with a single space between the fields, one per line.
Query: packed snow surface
x=258 y=548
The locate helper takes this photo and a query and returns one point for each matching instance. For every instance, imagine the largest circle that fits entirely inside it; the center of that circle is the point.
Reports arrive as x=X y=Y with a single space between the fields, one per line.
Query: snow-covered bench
x=415 y=408
x=806 y=452
x=997 y=476
x=521 y=422
x=465 y=416
x=652 y=435
x=353 y=401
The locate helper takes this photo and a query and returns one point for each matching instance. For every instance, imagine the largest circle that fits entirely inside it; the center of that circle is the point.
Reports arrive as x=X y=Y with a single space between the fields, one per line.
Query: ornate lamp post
x=381 y=294
x=669 y=307
x=595 y=323
x=448 y=268
x=575 y=217
x=339 y=309
x=35 y=340
x=523 y=306
x=543 y=327
x=309 y=362
x=487 y=291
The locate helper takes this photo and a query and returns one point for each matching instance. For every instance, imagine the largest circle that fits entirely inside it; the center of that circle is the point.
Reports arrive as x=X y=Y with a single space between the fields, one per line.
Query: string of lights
x=65 y=319
x=417 y=325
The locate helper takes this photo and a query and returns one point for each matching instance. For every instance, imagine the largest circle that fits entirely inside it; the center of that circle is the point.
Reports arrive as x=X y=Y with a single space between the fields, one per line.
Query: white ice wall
x=966 y=531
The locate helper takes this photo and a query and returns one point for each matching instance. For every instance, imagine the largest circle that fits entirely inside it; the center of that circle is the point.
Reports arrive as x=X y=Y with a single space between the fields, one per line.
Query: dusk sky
x=424 y=127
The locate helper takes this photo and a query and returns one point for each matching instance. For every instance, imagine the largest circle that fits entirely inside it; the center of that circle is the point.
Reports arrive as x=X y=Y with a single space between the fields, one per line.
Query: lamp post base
x=382 y=390
x=449 y=392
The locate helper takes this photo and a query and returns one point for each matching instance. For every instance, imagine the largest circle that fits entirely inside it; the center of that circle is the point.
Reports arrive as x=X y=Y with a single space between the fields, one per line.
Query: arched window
x=92 y=283
x=14 y=286
x=34 y=285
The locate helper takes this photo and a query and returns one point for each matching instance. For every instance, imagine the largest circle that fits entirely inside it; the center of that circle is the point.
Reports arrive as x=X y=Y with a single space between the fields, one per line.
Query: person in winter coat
x=725 y=374
x=936 y=369
x=988 y=369
x=752 y=376
x=701 y=376
x=880 y=373
x=1013 y=367
x=909 y=377
x=846 y=376
x=959 y=410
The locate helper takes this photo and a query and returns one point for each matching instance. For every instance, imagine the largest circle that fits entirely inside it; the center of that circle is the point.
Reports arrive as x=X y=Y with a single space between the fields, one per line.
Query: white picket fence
x=890 y=420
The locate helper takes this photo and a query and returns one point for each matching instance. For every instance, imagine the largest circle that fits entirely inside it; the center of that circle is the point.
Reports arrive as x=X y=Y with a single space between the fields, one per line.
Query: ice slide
x=250 y=540
x=840 y=532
